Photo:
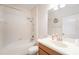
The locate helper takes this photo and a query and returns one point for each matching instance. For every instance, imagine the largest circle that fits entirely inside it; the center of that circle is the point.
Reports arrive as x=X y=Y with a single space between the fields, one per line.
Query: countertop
x=63 y=47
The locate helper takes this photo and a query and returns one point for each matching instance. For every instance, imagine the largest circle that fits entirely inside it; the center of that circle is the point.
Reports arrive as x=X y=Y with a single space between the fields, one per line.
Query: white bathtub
x=20 y=47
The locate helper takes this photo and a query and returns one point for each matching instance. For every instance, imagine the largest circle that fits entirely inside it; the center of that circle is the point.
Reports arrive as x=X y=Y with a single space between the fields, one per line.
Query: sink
x=60 y=44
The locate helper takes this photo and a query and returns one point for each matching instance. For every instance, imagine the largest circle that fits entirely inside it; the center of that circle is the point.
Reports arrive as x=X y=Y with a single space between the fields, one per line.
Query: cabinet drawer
x=41 y=52
x=48 y=50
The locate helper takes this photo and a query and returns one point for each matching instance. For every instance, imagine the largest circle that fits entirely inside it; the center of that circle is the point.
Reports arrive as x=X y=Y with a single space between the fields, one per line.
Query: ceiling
x=22 y=6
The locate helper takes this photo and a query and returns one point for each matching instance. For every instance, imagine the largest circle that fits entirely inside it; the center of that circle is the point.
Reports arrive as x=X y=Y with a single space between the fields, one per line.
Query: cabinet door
x=41 y=52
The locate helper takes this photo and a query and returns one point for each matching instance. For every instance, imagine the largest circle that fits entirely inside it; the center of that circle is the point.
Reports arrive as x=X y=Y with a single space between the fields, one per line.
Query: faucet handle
x=56 y=36
x=59 y=38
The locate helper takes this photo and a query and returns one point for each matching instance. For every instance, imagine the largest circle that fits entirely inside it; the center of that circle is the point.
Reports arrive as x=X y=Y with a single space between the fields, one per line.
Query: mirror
x=64 y=21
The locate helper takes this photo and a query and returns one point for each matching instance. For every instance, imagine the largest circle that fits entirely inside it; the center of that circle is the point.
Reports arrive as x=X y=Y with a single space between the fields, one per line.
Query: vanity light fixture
x=62 y=5
x=57 y=6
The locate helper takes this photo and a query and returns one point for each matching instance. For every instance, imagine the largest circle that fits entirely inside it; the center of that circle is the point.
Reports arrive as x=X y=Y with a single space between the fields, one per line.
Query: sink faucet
x=57 y=37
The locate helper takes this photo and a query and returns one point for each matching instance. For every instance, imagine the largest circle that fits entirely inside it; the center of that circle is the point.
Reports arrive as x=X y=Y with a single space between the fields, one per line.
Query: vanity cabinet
x=43 y=50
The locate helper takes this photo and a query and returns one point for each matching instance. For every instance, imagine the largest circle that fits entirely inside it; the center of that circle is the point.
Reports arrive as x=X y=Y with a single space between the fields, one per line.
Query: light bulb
x=55 y=8
x=62 y=5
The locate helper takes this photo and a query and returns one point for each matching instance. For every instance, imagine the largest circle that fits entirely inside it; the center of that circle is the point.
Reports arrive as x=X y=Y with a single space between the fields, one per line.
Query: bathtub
x=21 y=47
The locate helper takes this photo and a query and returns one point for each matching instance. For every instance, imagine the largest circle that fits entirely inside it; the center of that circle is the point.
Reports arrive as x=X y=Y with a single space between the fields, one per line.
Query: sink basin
x=60 y=44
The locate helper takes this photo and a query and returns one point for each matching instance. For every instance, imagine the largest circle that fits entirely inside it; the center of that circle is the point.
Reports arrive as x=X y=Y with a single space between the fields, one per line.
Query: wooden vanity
x=43 y=50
